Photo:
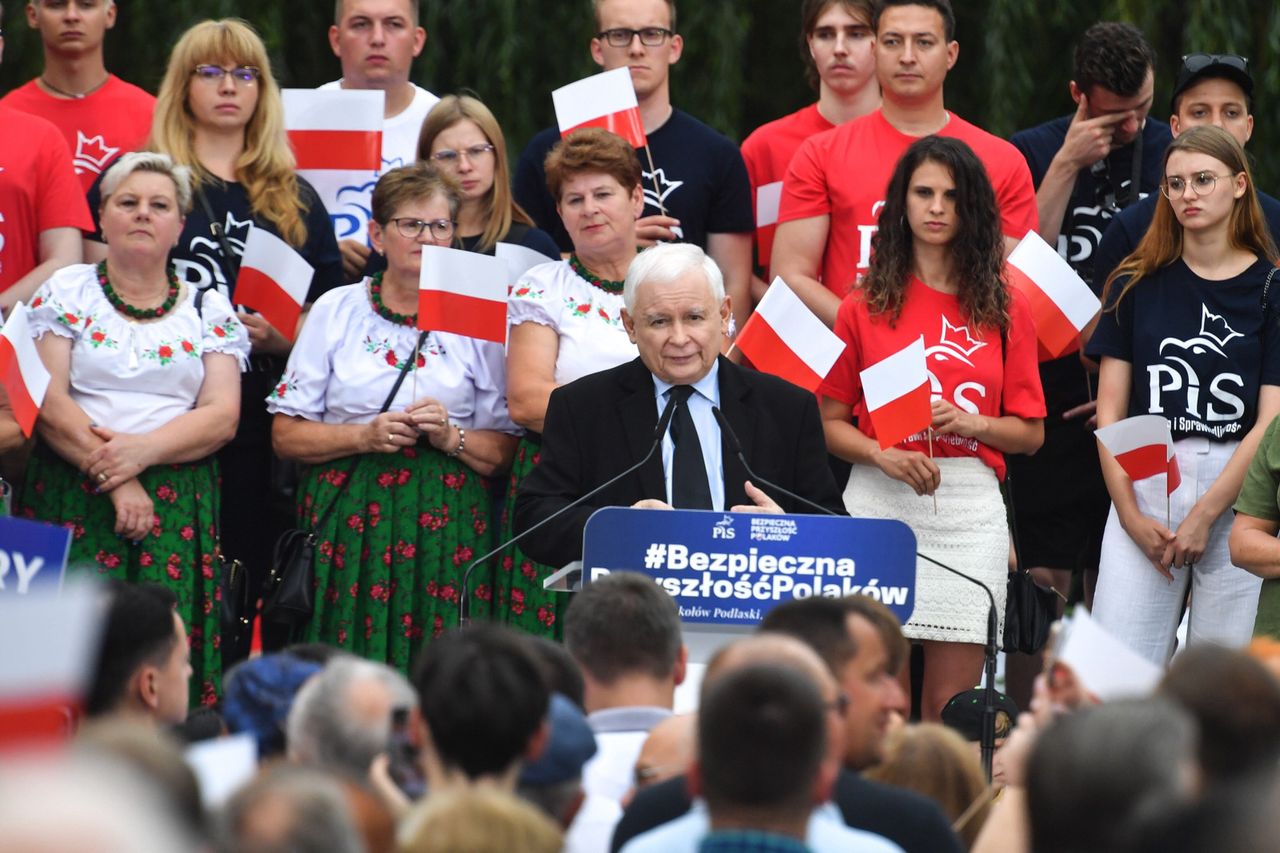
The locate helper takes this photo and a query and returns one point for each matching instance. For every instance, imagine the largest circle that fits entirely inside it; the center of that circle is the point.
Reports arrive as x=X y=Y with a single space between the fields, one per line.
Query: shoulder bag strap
x=1266 y=286
x=230 y=261
x=395 y=389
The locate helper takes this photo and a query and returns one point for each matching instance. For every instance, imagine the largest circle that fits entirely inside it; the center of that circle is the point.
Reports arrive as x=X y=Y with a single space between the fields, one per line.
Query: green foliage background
x=741 y=65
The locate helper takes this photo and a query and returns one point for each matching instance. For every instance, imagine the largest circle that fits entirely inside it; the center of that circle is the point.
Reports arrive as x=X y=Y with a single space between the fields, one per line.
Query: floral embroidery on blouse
x=98 y=337
x=287 y=383
x=528 y=290
x=384 y=350
x=591 y=309
x=228 y=329
x=167 y=351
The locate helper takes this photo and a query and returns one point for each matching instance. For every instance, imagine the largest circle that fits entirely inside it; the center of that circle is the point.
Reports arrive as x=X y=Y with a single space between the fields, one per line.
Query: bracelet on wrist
x=462 y=444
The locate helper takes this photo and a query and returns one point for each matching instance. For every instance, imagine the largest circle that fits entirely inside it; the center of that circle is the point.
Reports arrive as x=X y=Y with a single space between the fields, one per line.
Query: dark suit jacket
x=603 y=423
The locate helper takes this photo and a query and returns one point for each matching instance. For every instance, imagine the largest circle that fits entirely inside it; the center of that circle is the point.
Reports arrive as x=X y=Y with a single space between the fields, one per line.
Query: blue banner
x=31 y=553
x=727 y=568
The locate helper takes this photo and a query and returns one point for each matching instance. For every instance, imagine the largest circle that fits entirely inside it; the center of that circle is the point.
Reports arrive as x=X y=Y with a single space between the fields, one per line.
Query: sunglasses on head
x=1194 y=63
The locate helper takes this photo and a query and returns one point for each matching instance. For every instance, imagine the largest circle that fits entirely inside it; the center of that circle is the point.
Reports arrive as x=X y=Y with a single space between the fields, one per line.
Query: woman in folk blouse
x=936 y=273
x=412 y=505
x=145 y=388
x=1189 y=332
x=566 y=322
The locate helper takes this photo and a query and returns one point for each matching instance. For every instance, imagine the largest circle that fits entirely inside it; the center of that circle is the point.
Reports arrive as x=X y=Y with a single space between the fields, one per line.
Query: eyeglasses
x=1194 y=63
x=1202 y=182
x=441 y=229
x=622 y=36
x=242 y=75
x=449 y=157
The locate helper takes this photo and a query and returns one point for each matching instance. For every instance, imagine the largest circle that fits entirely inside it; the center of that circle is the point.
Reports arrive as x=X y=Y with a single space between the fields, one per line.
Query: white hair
x=148 y=161
x=327 y=729
x=665 y=263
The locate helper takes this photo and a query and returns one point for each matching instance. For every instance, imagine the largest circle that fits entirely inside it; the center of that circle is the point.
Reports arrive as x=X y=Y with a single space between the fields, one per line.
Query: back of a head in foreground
x=483 y=697
x=289 y=809
x=1096 y=775
x=934 y=760
x=480 y=819
x=623 y=624
x=341 y=718
x=761 y=744
x=1236 y=702
x=139 y=630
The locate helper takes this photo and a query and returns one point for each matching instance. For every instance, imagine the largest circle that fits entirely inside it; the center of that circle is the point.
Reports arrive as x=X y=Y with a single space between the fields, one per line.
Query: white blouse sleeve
x=61 y=305
x=536 y=297
x=221 y=331
x=301 y=391
x=489 y=373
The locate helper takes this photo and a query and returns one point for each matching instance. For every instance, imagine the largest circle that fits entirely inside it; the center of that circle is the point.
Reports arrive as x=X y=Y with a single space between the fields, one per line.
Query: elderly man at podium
x=680 y=426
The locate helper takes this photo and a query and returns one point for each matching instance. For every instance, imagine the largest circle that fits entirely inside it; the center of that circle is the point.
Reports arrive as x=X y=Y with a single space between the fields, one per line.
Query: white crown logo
x=93 y=152
x=958 y=339
x=1215 y=328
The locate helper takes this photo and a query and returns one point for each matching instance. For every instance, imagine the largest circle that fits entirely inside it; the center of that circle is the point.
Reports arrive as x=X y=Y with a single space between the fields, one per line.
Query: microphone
x=735 y=447
x=988 y=729
x=664 y=421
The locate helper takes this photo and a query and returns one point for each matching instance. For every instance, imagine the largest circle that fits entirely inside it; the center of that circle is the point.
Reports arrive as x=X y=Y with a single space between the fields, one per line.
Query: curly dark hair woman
x=977 y=248
x=936 y=275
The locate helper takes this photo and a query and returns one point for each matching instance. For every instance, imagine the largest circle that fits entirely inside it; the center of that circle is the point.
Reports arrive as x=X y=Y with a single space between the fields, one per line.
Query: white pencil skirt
x=969 y=533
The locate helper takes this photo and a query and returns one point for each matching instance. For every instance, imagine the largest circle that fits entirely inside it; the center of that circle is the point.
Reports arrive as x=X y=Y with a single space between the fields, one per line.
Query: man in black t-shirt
x=1086 y=167
x=1211 y=88
x=696 y=188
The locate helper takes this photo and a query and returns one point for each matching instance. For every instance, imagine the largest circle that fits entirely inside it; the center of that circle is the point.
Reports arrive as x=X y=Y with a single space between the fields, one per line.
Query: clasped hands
x=427 y=417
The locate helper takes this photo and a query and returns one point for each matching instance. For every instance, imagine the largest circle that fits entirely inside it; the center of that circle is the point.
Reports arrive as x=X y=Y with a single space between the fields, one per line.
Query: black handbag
x=289 y=595
x=1029 y=609
x=237 y=603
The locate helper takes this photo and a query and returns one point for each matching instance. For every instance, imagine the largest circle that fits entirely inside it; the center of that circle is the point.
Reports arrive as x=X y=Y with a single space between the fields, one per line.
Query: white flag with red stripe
x=336 y=135
x=22 y=373
x=48 y=645
x=896 y=390
x=520 y=259
x=463 y=293
x=1143 y=446
x=785 y=338
x=274 y=280
x=1061 y=303
x=606 y=100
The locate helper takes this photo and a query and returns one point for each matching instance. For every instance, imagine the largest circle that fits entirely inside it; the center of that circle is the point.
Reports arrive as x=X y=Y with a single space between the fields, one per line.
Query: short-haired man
x=144 y=664
x=835 y=185
x=42 y=206
x=1211 y=88
x=761 y=758
x=341 y=718
x=1087 y=167
x=676 y=313
x=839 y=59
x=100 y=115
x=623 y=631
x=377 y=41
x=483 y=705
x=698 y=180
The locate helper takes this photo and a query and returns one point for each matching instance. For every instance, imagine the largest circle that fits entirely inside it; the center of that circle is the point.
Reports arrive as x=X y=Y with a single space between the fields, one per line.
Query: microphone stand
x=464 y=603
x=993 y=618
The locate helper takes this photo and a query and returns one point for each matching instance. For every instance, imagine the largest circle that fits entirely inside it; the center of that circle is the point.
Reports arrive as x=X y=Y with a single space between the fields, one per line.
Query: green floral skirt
x=178 y=552
x=390 y=557
x=519 y=599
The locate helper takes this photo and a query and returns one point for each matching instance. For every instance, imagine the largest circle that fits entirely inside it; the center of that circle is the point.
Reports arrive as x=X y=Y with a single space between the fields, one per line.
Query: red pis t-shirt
x=967 y=365
x=767 y=153
x=38 y=191
x=98 y=128
x=844 y=173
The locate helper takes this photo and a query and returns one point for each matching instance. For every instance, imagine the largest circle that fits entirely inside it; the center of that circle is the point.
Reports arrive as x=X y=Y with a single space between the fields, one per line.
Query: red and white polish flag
x=606 y=100
x=520 y=259
x=785 y=338
x=336 y=135
x=22 y=373
x=1143 y=446
x=463 y=293
x=896 y=390
x=1061 y=303
x=274 y=280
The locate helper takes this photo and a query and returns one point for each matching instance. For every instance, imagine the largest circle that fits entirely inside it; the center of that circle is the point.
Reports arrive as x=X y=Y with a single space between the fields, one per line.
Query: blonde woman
x=219 y=113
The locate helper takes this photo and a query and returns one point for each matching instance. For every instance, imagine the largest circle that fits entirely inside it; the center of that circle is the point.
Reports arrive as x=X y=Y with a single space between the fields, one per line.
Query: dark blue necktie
x=689 y=487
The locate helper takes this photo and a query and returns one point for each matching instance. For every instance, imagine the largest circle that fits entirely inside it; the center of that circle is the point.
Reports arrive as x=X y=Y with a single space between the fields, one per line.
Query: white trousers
x=1142 y=607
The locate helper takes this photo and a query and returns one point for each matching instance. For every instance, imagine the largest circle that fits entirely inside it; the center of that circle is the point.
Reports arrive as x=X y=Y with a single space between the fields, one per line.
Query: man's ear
x=145 y=686
x=681 y=669
x=537 y=742
x=824 y=784
x=693 y=779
